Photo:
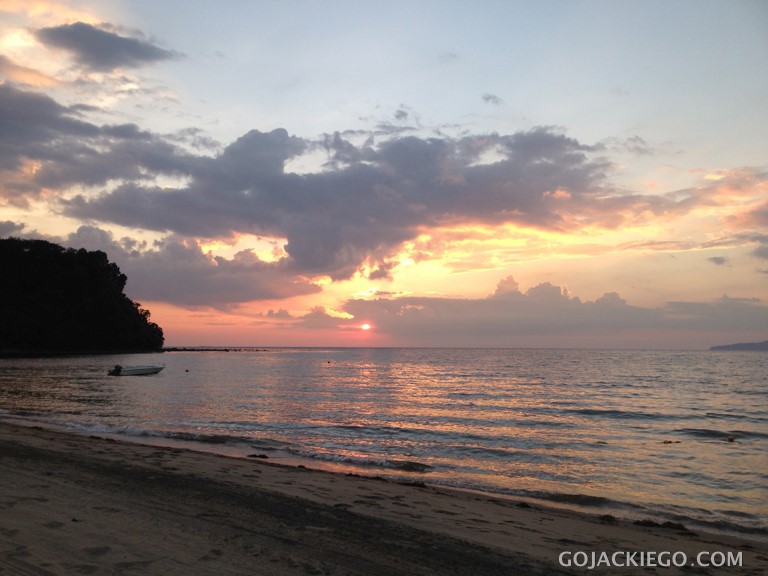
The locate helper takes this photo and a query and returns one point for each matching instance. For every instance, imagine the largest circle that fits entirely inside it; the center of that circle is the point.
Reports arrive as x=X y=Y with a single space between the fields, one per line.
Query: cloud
x=636 y=145
x=378 y=197
x=23 y=75
x=375 y=199
x=746 y=314
x=34 y=129
x=761 y=252
x=8 y=228
x=718 y=260
x=506 y=288
x=178 y=271
x=757 y=216
x=375 y=193
x=547 y=315
x=33 y=124
x=492 y=99
x=280 y=314
x=318 y=319
x=736 y=188
x=101 y=49
x=44 y=145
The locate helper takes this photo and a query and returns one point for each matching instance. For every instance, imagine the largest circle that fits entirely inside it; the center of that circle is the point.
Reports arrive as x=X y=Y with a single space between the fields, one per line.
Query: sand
x=72 y=504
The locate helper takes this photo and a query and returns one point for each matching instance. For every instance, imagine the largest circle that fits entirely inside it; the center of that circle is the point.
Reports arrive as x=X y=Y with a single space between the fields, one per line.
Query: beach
x=76 y=504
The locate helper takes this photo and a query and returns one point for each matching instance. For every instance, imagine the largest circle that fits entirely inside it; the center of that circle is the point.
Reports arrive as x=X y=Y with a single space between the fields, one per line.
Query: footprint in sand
x=81 y=568
x=97 y=550
x=212 y=555
x=136 y=566
x=106 y=509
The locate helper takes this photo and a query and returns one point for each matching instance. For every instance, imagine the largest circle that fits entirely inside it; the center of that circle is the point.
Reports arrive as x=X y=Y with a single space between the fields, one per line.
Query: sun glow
x=365 y=327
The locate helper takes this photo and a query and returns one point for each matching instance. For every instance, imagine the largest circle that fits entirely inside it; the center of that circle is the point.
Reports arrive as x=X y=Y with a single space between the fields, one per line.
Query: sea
x=666 y=436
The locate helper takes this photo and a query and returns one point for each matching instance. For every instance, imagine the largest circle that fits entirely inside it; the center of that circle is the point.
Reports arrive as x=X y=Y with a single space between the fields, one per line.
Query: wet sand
x=72 y=504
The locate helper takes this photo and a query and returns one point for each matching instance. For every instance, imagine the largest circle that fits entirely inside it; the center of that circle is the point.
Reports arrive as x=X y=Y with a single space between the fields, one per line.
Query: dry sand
x=71 y=504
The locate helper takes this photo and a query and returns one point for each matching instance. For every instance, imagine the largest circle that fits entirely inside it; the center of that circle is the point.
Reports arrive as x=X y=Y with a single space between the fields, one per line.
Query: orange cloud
x=755 y=216
x=43 y=11
x=23 y=75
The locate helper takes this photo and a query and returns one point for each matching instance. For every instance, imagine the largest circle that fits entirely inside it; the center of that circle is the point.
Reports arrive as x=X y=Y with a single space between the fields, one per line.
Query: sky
x=509 y=173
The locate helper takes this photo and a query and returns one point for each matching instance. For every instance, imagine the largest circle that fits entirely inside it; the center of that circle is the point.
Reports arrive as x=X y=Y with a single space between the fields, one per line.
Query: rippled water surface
x=678 y=435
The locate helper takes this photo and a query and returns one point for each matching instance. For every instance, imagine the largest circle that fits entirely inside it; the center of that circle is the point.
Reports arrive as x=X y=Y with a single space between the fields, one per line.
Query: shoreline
x=102 y=504
x=411 y=472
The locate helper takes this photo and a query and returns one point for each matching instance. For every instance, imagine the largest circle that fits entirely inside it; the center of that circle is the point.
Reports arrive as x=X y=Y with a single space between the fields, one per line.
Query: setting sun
x=365 y=326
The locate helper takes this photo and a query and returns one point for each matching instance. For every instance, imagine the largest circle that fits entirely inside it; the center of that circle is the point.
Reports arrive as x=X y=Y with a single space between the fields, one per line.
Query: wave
x=725 y=435
x=621 y=414
x=577 y=499
x=740 y=417
x=433 y=473
x=364 y=461
x=264 y=444
x=743 y=523
x=261 y=443
x=93 y=428
x=730 y=521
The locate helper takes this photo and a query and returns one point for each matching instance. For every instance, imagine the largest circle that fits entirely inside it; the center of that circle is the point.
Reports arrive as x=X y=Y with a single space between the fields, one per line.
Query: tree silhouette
x=57 y=299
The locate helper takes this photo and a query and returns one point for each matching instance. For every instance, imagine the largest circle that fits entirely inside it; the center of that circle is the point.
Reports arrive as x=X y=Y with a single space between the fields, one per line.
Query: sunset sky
x=401 y=173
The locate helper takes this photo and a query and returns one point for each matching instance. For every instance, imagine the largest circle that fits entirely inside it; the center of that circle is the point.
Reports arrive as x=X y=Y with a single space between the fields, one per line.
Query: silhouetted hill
x=743 y=346
x=54 y=299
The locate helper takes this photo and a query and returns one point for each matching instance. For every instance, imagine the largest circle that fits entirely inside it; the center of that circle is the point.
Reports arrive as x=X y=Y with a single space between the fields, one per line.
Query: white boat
x=134 y=370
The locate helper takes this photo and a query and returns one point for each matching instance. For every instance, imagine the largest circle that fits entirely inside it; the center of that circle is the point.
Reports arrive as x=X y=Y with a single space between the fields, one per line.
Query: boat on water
x=134 y=370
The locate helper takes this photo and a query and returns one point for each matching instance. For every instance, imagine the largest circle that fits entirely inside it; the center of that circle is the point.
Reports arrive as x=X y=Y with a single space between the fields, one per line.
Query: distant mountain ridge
x=759 y=346
x=62 y=300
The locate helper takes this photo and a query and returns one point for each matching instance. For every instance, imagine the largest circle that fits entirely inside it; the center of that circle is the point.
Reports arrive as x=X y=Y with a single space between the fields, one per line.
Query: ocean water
x=679 y=436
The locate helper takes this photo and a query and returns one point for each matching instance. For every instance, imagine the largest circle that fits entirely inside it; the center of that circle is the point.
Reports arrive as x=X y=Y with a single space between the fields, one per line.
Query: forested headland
x=60 y=300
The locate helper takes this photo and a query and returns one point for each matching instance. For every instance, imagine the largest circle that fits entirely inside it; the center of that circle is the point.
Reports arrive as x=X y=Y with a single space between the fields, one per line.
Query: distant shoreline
x=213 y=349
x=15 y=353
x=749 y=346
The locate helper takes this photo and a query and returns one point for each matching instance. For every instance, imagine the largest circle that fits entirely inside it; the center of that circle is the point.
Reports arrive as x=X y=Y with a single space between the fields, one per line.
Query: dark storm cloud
x=101 y=49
